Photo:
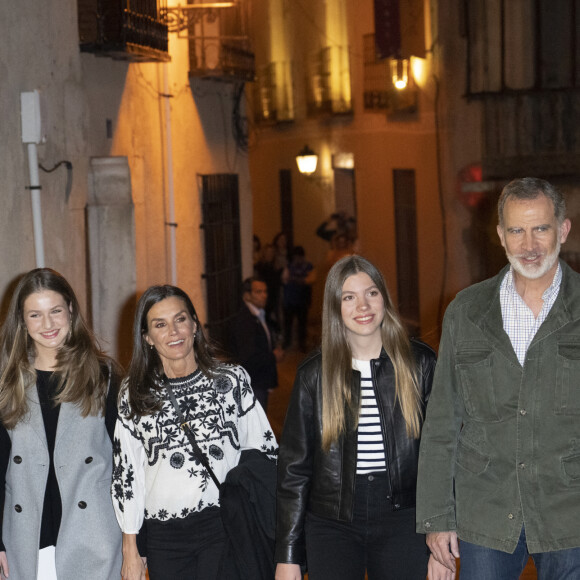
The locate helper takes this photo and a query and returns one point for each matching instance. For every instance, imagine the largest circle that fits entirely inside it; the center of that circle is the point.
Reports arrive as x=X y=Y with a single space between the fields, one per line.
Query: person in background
x=257 y=249
x=253 y=340
x=280 y=243
x=282 y=247
x=340 y=247
x=266 y=270
x=348 y=454
x=157 y=476
x=500 y=454
x=58 y=409
x=339 y=223
x=297 y=279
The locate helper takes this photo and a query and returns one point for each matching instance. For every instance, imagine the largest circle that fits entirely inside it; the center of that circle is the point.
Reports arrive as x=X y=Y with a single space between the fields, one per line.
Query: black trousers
x=379 y=540
x=186 y=549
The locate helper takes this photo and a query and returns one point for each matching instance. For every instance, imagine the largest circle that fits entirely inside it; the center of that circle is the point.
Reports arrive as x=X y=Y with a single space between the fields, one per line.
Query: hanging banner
x=387 y=29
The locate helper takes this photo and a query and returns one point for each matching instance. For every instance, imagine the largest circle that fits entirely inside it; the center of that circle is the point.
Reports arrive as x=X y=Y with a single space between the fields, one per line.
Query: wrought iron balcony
x=219 y=46
x=329 y=82
x=379 y=92
x=123 y=29
x=274 y=95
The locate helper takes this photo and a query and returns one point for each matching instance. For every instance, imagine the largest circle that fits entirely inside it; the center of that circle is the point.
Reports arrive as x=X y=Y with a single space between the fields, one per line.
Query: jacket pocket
x=571 y=466
x=471 y=460
x=474 y=367
x=567 y=394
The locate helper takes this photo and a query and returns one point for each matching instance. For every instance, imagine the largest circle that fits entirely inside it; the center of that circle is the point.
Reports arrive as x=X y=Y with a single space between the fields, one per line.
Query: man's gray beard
x=533 y=272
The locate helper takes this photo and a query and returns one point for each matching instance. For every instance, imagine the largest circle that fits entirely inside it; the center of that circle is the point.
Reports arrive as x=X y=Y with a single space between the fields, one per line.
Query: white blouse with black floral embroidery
x=155 y=472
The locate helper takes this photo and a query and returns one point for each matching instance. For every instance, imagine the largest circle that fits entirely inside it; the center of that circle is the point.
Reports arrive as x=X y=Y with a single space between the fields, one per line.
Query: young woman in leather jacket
x=348 y=456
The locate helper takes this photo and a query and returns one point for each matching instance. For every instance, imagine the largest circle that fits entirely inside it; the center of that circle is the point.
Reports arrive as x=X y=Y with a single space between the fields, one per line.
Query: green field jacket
x=501 y=443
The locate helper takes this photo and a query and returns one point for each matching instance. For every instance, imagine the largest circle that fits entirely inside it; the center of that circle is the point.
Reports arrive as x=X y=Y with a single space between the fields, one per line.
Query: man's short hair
x=531 y=188
x=247 y=283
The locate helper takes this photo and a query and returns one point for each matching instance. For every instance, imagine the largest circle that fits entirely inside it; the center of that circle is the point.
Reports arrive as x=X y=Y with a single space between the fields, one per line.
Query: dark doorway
x=345 y=191
x=407 y=253
x=223 y=262
x=286 y=213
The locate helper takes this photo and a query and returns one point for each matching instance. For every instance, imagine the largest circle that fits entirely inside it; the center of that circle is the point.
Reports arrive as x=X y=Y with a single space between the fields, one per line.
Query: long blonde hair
x=79 y=360
x=337 y=399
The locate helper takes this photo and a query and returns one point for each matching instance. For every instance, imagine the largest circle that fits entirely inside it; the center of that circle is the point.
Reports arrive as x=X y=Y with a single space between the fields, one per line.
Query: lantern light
x=400 y=73
x=307 y=160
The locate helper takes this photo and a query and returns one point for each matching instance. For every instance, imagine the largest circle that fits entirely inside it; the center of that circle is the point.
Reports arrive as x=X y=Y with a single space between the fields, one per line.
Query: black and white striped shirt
x=370 y=447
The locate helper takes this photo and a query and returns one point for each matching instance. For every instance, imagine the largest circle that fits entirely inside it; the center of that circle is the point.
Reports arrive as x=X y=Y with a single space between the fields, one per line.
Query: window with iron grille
x=523 y=63
x=522 y=45
x=223 y=264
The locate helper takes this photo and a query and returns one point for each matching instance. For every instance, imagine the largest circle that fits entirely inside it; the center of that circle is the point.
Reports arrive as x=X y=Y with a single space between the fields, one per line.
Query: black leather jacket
x=323 y=483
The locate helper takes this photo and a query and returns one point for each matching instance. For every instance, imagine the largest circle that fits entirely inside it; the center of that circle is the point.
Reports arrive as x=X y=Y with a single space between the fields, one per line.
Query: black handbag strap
x=199 y=454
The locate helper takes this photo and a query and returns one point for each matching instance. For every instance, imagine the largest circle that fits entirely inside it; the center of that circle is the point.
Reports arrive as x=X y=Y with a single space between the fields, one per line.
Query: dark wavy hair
x=145 y=377
x=79 y=361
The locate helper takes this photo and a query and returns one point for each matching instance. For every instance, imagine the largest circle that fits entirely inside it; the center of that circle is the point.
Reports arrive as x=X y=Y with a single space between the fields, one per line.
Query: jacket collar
x=485 y=312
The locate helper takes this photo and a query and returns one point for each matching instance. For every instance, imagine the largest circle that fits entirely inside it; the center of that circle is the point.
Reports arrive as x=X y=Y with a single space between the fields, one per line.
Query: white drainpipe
x=36 y=210
x=172 y=225
x=32 y=135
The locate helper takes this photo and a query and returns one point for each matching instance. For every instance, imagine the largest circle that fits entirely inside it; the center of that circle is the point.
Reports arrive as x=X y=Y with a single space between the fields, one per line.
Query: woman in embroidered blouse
x=58 y=405
x=347 y=466
x=156 y=475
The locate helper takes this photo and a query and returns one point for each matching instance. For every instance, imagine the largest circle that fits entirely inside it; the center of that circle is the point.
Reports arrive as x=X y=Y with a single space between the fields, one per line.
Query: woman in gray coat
x=58 y=408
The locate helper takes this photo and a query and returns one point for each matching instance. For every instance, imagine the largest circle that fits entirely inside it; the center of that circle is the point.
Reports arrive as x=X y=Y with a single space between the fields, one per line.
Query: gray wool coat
x=89 y=540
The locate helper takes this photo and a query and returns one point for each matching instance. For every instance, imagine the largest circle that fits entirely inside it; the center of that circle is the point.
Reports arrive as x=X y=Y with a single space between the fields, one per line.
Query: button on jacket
x=501 y=442
x=323 y=483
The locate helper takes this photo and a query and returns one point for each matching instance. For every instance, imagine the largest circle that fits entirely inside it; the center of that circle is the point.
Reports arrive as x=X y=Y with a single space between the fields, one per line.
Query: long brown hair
x=337 y=355
x=78 y=361
x=145 y=378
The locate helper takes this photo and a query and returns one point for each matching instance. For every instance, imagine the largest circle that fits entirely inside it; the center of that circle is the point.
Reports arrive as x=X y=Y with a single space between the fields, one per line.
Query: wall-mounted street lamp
x=400 y=73
x=307 y=160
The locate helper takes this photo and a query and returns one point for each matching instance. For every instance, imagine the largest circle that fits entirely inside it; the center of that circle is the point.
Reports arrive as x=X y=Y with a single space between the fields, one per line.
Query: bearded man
x=499 y=464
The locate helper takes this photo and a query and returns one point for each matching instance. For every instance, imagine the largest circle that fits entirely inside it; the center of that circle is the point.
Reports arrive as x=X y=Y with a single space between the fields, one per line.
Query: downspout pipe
x=31 y=136
x=35 y=188
x=171 y=224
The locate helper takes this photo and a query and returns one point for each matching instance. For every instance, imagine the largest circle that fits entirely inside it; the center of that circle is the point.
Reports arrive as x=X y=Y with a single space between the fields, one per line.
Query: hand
x=288 y=572
x=444 y=548
x=133 y=564
x=279 y=354
x=437 y=571
x=4 y=570
x=134 y=568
